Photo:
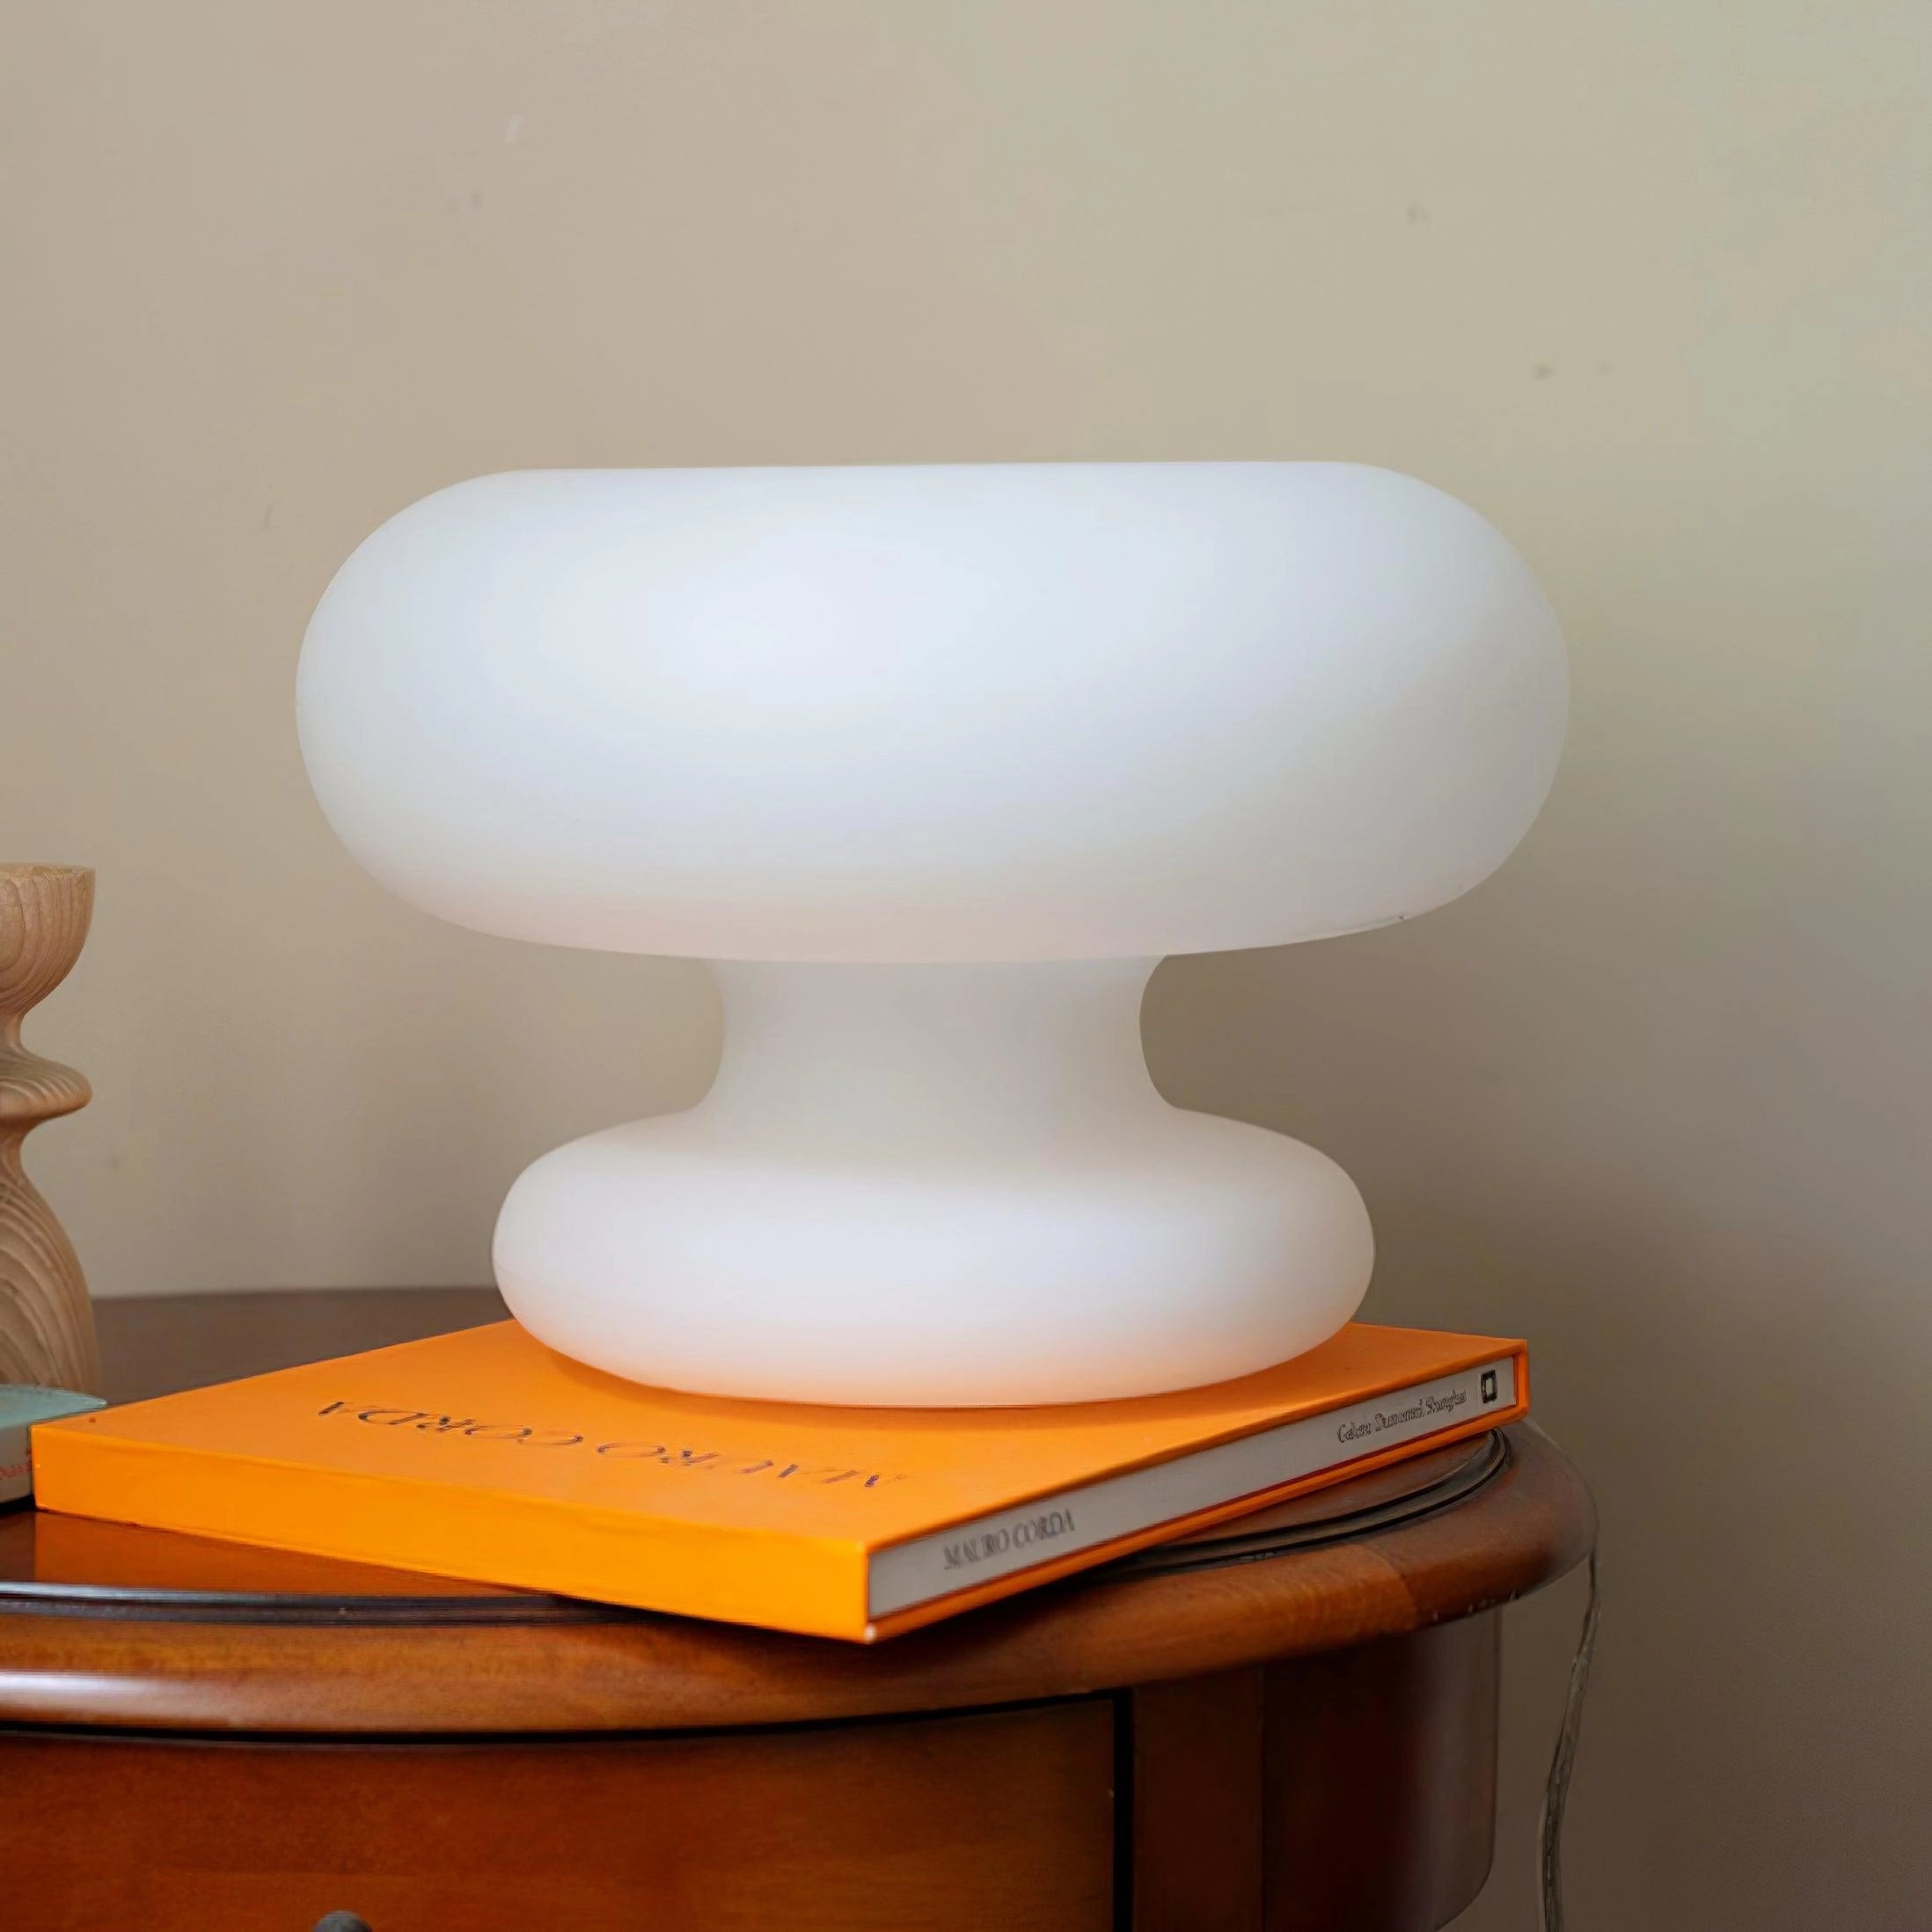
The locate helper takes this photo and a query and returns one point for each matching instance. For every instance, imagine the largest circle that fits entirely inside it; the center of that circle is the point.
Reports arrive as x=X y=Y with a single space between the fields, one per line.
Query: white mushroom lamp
x=939 y=761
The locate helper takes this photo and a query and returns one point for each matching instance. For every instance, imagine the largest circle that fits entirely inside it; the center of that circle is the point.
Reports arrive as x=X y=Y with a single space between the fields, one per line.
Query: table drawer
x=978 y=1822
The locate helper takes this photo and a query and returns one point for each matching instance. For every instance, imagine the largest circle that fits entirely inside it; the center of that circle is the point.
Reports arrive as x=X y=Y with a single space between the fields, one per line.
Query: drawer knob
x=340 y=1921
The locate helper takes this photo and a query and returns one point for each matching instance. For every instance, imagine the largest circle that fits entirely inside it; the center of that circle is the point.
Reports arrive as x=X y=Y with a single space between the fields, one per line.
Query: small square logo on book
x=1489 y=1385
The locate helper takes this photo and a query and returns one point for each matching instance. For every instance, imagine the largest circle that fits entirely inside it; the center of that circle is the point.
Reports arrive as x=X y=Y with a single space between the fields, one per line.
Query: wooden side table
x=1289 y=1724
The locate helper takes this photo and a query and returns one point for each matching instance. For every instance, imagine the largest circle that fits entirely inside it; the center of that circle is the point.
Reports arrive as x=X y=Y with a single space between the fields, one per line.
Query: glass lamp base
x=933 y=1186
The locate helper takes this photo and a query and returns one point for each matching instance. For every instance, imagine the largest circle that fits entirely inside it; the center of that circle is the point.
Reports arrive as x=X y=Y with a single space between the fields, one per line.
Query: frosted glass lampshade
x=941 y=760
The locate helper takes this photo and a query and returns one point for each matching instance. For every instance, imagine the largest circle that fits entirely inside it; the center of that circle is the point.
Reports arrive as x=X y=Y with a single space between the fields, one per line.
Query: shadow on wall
x=1542 y=1165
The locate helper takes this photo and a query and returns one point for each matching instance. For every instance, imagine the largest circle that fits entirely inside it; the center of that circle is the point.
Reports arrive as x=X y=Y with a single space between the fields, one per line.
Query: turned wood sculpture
x=47 y=1324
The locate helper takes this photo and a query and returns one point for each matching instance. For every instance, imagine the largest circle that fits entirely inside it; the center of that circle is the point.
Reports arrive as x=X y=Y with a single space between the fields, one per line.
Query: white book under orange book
x=484 y=1456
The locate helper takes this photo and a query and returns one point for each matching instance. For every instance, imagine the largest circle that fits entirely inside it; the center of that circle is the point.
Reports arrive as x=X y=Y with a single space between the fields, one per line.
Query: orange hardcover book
x=483 y=1455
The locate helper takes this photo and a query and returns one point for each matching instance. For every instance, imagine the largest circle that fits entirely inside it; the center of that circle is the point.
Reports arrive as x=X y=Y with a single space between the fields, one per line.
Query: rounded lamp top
x=975 y=711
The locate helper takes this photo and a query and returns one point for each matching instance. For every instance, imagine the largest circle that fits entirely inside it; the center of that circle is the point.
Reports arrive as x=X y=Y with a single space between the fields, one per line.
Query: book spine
x=1008 y=1545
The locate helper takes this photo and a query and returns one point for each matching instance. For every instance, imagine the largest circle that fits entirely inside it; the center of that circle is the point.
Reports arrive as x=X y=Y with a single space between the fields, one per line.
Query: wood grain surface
x=1379 y=1781
x=47 y=1328
x=292 y=1674
x=995 y=1824
x=1199 y=1803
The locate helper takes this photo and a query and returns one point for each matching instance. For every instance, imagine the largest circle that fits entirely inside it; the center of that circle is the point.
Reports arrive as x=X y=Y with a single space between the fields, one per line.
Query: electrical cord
x=1549 y=1916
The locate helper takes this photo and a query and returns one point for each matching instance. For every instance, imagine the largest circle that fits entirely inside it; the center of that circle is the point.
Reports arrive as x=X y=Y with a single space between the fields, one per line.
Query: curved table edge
x=1529 y=1525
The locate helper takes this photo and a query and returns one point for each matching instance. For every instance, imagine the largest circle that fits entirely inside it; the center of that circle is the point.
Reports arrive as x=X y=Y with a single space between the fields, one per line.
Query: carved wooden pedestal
x=46 y=1327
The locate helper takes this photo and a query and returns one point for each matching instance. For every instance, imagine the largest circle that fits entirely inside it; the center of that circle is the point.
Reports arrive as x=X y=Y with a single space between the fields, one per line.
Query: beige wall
x=1647 y=283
